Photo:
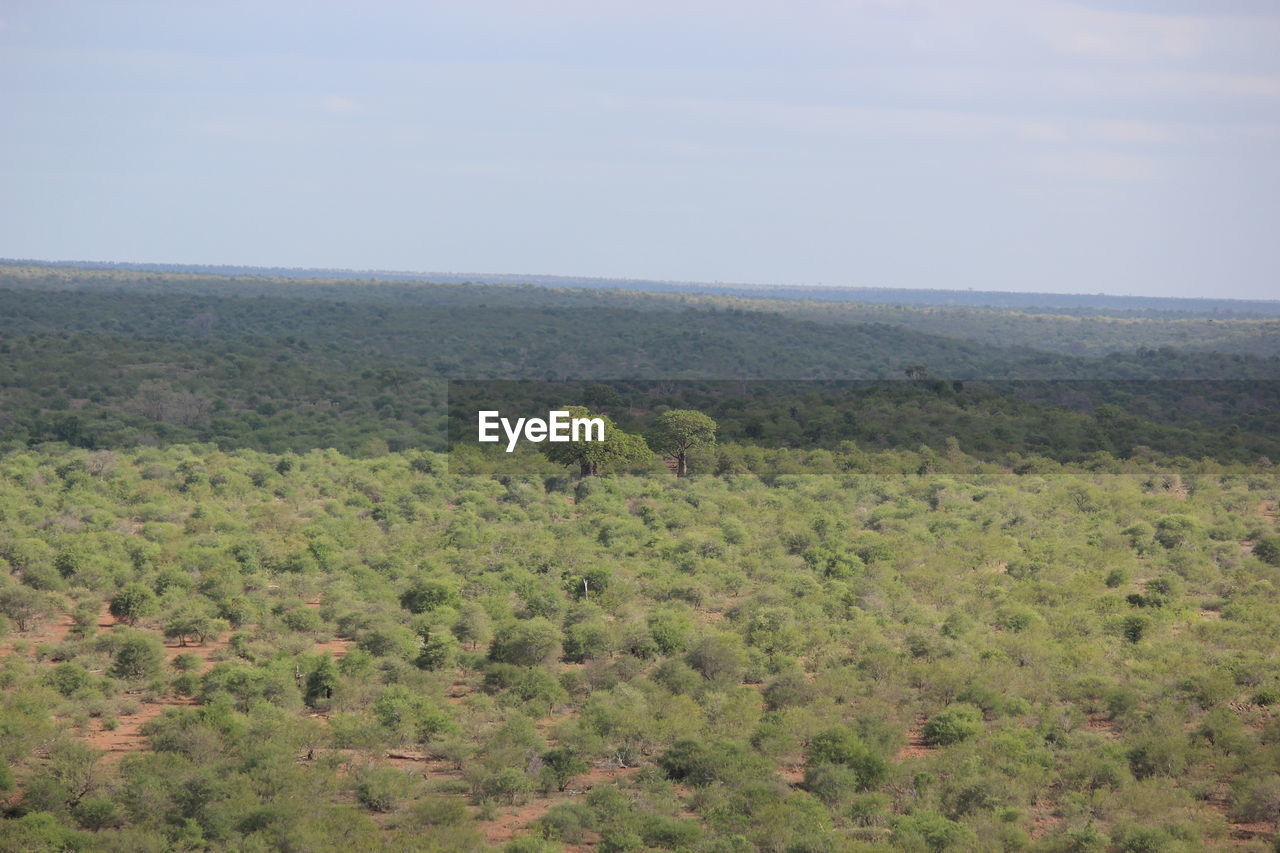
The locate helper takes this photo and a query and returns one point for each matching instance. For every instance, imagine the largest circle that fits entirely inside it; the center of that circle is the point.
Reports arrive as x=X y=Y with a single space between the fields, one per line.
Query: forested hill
x=136 y=364
x=1065 y=332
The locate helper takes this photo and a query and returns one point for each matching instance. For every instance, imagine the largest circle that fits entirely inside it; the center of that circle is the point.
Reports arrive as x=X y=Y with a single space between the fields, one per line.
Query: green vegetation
x=248 y=605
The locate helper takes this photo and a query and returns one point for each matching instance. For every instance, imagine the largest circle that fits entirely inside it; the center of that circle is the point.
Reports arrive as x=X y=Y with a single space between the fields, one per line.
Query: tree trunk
x=682 y=464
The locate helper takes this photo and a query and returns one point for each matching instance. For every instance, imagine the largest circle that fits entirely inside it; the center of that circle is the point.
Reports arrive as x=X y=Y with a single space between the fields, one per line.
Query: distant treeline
x=1066 y=303
x=1064 y=421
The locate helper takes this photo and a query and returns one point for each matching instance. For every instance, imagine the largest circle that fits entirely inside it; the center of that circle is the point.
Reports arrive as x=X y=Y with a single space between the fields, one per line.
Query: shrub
x=1267 y=550
x=97 y=813
x=68 y=678
x=440 y=811
x=788 y=690
x=507 y=785
x=566 y=822
x=1134 y=628
x=426 y=594
x=132 y=603
x=137 y=656
x=953 y=725
x=933 y=831
x=380 y=788
x=560 y=766
x=529 y=643
x=678 y=677
x=691 y=762
x=843 y=747
x=719 y=657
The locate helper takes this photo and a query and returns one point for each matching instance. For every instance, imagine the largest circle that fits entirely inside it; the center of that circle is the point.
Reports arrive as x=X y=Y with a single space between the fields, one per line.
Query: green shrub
x=379 y=789
x=1134 y=628
x=933 y=831
x=953 y=725
x=566 y=822
x=844 y=748
x=691 y=762
x=529 y=643
x=507 y=785
x=1267 y=550
x=137 y=656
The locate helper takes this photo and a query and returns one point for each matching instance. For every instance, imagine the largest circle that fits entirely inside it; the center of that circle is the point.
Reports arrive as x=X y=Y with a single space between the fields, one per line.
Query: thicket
x=848 y=650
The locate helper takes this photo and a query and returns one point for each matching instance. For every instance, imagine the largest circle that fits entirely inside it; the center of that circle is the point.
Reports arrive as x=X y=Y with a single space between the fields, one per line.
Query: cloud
x=1120 y=36
x=340 y=105
x=1104 y=166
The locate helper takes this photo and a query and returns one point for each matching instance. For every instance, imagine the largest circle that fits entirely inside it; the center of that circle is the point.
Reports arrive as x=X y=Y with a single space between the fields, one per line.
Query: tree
x=132 y=603
x=593 y=457
x=473 y=625
x=560 y=765
x=191 y=623
x=426 y=594
x=843 y=747
x=138 y=656
x=529 y=643
x=953 y=725
x=678 y=431
x=321 y=681
x=24 y=605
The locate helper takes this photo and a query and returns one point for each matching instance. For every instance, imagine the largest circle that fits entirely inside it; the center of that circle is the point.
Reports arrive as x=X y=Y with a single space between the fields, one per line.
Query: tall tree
x=593 y=457
x=678 y=431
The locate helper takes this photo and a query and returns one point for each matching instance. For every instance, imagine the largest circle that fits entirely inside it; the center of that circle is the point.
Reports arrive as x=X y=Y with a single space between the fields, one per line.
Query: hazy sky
x=1125 y=147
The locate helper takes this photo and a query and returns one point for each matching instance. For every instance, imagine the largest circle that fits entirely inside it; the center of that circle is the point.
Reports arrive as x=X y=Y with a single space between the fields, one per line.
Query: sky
x=1117 y=146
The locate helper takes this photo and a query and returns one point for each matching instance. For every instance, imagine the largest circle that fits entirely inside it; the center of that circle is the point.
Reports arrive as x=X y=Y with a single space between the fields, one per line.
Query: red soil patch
x=793 y=776
x=502 y=828
x=127 y=736
x=204 y=652
x=1099 y=723
x=423 y=765
x=1268 y=510
x=916 y=747
x=336 y=647
x=43 y=634
x=52 y=632
x=1043 y=820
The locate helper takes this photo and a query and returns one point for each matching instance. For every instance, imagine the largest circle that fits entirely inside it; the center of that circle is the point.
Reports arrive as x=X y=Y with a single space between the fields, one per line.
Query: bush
x=788 y=690
x=1134 y=628
x=138 y=656
x=1267 y=550
x=97 y=813
x=691 y=762
x=933 y=831
x=440 y=811
x=426 y=594
x=953 y=725
x=669 y=833
x=508 y=785
x=529 y=643
x=380 y=788
x=844 y=748
x=566 y=822
x=132 y=603
x=678 y=677
x=69 y=678
x=719 y=657
x=560 y=766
